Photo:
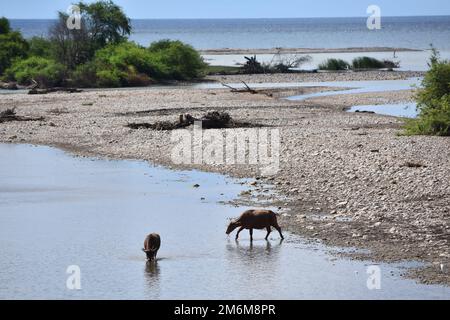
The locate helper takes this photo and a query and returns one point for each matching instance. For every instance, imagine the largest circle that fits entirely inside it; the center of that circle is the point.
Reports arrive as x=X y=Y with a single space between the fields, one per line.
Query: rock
x=342 y=204
x=196 y=185
x=254 y=183
x=377 y=224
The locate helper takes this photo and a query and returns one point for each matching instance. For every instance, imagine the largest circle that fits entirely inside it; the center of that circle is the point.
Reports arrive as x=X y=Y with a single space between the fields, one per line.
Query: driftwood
x=8 y=85
x=246 y=89
x=56 y=89
x=10 y=115
x=211 y=120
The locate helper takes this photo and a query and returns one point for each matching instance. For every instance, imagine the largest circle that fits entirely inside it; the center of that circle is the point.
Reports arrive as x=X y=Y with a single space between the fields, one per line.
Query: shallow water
x=57 y=210
x=405 y=110
x=355 y=87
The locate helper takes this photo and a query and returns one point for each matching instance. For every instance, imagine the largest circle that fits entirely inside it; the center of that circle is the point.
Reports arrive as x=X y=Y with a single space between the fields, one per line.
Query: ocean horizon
x=415 y=32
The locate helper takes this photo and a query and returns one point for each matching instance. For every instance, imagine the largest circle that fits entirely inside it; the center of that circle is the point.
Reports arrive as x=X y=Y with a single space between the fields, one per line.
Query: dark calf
x=255 y=219
x=151 y=246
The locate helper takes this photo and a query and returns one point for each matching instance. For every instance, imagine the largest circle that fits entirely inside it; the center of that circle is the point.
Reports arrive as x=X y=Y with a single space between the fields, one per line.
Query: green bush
x=109 y=78
x=125 y=64
x=45 y=72
x=177 y=60
x=41 y=47
x=367 y=63
x=432 y=121
x=12 y=46
x=433 y=100
x=4 y=26
x=84 y=76
x=334 y=65
x=132 y=64
x=252 y=66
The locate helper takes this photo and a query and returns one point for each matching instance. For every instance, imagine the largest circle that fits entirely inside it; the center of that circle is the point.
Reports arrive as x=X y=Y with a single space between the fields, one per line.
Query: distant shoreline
x=228 y=51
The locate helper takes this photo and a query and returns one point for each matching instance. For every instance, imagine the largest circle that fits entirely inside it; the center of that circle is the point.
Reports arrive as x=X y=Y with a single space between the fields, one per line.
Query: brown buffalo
x=255 y=219
x=151 y=246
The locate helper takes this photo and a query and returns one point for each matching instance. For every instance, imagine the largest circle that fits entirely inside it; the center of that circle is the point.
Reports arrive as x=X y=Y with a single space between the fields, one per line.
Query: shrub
x=177 y=60
x=252 y=66
x=334 y=65
x=367 y=63
x=125 y=64
x=84 y=76
x=391 y=64
x=285 y=64
x=4 y=26
x=433 y=100
x=109 y=78
x=41 y=47
x=132 y=64
x=432 y=121
x=45 y=72
x=12 y=45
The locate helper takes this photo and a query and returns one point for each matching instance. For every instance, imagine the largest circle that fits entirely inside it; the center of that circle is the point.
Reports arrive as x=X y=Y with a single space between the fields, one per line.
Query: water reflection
x=152 y=277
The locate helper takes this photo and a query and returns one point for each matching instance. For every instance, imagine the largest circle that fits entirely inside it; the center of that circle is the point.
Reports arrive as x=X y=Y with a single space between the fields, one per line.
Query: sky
x=191 y=9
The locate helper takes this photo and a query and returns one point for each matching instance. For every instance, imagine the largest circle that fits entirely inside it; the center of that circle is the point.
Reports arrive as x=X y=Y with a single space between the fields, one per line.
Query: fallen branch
x=246 y=89
x=51 y=90
x=10 y=115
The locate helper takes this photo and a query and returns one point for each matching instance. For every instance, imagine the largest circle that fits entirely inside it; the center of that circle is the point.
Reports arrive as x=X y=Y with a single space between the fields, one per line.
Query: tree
x=105 y=22
x=72 y=47
x=12 y=45
x=4 y=26
x=102 y=23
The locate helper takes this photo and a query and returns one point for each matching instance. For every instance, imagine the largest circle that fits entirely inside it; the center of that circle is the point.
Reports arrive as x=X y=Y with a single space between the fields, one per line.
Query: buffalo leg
x=251 y=234
x=279 y=231
x=268 y=232
x=239 y=231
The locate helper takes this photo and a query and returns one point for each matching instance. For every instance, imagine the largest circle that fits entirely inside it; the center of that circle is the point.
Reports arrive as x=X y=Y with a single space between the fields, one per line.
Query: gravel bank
x=344 y=178
x=318 y=77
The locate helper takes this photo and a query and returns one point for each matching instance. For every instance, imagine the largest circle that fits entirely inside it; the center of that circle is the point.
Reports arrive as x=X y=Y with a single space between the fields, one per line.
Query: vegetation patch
x=334 y=65
x=433 y=100
x=97 y=55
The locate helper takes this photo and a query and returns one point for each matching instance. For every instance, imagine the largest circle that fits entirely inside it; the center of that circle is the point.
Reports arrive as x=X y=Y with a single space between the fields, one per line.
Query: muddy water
x=57 y=210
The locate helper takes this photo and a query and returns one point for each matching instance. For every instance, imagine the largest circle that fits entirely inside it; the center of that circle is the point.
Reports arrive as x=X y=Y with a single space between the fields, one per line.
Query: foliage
x=12 y=45
x=102 y=23
x=334 y=65
x=433 y=100
x=252 y=66
x=71 y=47
x=367 y=63
x=44 y=71
x=106 y=22
x=177 y=60
x=97 y=54
x=40 y=47
x=4 y=26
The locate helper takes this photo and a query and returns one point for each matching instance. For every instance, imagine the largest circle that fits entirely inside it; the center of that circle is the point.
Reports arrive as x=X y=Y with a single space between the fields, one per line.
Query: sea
x=405 y=32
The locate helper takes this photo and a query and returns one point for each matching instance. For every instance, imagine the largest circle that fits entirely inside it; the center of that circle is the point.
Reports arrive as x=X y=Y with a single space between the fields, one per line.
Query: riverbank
x=348 y=178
